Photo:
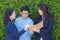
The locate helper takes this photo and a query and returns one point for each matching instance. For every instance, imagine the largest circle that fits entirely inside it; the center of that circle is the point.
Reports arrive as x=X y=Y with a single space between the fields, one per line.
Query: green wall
x=54 y=9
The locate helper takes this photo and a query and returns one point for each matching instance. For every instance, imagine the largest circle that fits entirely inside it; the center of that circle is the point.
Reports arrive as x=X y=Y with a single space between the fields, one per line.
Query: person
x=44 y=23
x=11 y=32
x=48 y=21
x=23 y=21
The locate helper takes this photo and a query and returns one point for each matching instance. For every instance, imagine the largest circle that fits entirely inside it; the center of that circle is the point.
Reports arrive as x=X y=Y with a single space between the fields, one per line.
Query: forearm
x=21 y=32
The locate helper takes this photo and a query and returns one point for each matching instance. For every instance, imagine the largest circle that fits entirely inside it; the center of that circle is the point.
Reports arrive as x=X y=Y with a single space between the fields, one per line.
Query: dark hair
x=8 y=13
x=25 y=8
x=44 y=8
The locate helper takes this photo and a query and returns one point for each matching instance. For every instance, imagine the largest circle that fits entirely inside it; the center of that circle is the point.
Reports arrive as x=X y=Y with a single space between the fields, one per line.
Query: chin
x=15 y=17
x=40 y=14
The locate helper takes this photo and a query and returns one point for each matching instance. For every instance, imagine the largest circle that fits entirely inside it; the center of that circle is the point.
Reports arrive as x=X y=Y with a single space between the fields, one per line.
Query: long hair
x=44 y=8
x=8 y=13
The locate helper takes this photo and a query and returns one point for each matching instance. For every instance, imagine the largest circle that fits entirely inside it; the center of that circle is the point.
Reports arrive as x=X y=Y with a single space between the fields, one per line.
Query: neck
x=24 y=18
x=11 y=19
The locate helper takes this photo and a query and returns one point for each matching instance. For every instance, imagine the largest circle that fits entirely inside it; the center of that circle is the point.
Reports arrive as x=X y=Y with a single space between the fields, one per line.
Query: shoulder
x=38 y=17
x=29 y=19
x=51 y=18
x=17 y=19
x=10 y=23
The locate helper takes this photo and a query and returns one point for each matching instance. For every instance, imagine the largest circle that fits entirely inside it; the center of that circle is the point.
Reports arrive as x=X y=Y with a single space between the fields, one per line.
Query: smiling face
x=24 y=14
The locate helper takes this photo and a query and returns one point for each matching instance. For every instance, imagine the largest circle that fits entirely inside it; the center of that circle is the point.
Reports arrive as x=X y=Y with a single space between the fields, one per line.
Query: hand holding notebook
x=36 y=27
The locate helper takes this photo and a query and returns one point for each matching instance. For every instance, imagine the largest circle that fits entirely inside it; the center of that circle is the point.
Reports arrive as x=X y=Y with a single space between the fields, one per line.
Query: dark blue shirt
x=45 y=32
x=11 y=32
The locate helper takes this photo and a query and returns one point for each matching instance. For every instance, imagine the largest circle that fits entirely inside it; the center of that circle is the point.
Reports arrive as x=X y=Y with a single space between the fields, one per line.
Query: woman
x=44 y=23
x=11 y=33
x=45 y=31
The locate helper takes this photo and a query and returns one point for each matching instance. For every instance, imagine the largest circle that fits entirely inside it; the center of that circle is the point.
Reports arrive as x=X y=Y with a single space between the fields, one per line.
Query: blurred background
x=54 y=9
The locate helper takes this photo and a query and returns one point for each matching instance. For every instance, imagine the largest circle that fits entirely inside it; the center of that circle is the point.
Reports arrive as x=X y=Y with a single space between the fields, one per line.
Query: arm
x=13 y=31
x=21 y=32
x=36 y=27
x=17 y=26
x=47 y=27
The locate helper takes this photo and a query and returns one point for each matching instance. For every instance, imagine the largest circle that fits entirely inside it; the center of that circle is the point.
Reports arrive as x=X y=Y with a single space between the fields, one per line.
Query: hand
x=37 y=30
x=34 y=28
x=26 y=27
x=39 y=25
x=31 y=28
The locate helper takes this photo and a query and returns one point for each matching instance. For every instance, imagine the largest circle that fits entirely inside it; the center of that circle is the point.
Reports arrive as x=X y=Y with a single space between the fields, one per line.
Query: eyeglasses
x=24 y=13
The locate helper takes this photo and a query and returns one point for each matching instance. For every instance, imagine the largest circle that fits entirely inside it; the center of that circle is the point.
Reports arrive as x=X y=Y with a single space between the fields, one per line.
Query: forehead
x=25 y=11
x=39 y=9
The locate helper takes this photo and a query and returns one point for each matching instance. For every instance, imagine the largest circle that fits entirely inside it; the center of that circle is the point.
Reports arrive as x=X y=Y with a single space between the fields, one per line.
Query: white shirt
x=41 y=38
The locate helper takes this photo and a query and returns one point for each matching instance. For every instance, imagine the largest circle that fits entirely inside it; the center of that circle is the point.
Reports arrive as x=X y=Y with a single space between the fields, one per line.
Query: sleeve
x=30 y=32
x=36 y=20
x=12 y=29
x=21 y=32
x=47 y=27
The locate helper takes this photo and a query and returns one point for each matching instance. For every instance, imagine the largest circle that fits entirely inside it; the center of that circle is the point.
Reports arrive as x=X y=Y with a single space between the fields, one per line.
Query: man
x=21 y=22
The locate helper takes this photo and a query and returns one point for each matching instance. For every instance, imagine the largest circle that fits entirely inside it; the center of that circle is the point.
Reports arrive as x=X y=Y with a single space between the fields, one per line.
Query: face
x=24 y=14
x=40 y=11
x=13 y=16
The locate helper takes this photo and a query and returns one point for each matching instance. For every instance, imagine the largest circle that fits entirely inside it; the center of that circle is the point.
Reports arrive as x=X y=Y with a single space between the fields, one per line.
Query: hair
x=25 y=8
x=8 y=13
x=44 y=8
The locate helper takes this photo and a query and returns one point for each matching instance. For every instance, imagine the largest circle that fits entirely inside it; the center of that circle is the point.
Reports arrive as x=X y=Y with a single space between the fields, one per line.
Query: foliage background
x=54 y=9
